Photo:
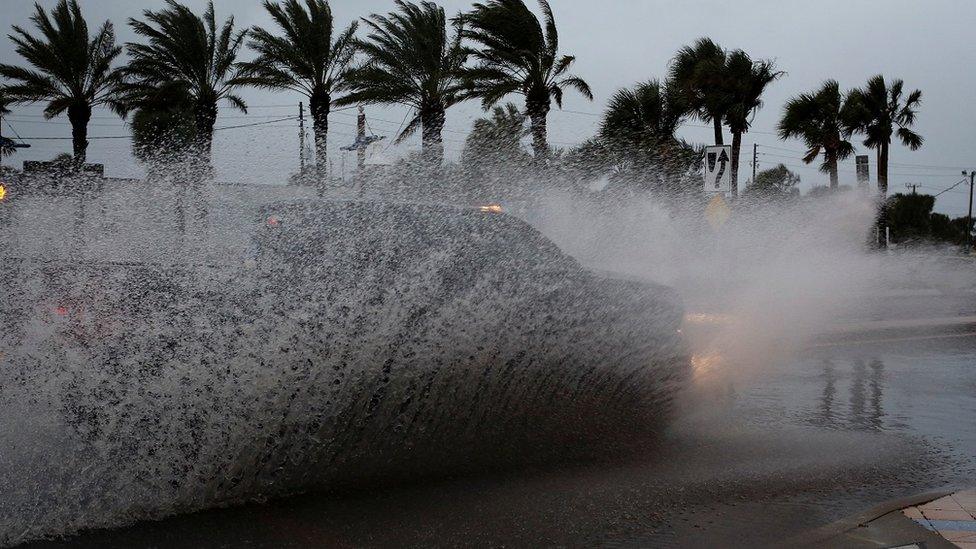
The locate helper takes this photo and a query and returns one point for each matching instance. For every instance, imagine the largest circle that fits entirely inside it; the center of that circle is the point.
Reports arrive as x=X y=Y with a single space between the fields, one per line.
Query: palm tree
x=188 y=52
x=744 y=83
x=411 y=61
x=816 y=119
x=879 y=112
x=644 y=116
x=519 y=54
x=304 y=59
x=638 y=129
x=71 y=69
x=498 y=139
x=698 y=71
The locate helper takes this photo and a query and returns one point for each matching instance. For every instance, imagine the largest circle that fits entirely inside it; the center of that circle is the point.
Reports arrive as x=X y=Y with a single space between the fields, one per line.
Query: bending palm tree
x=698 y=71
x=72 y=70
x=518 y=56
x=639 y=128
x=305 y=59
x=816 y=119
x=411 y=61
x=879 y=112
x=745 y=82
x=644 y=116
x=188 y=52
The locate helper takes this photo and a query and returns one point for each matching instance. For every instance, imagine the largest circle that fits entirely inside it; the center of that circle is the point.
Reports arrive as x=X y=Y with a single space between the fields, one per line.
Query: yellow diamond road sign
x=717 y=212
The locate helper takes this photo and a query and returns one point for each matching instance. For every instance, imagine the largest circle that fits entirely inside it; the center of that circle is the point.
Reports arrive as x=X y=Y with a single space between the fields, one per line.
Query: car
x=356 y=342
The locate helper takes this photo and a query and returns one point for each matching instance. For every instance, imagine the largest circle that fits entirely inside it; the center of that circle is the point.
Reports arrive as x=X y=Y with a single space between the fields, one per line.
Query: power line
x=222 y=128
x=960 y=182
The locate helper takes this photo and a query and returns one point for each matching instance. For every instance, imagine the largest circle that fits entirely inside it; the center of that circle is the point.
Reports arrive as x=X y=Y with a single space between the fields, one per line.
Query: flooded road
x=751 y=459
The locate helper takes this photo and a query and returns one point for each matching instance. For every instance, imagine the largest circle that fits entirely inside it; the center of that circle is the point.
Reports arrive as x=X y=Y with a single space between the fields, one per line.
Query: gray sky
x=927 y=43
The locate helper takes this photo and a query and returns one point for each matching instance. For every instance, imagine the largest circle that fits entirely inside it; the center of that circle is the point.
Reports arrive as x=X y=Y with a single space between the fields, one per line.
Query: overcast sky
x=929 y=44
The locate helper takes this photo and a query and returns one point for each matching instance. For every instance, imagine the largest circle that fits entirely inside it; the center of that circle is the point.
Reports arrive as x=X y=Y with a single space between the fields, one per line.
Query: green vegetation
x=911 y=219
x=304 y=59
x=412 y=60
x=71 y=69
x=816 y=118
x=174 y=80
x=880 y=112
x=185 y=56
x=775 y=183
x=518 y=54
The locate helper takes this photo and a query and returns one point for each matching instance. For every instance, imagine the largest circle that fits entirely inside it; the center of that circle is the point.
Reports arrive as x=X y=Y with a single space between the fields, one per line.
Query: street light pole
x=969 y=218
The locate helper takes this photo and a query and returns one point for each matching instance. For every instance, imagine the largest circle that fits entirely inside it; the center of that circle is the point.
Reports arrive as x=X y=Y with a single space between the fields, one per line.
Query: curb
x=819 y=536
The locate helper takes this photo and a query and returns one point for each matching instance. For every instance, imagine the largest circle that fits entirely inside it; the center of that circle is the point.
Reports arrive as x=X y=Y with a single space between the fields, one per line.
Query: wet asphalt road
x=758 y=454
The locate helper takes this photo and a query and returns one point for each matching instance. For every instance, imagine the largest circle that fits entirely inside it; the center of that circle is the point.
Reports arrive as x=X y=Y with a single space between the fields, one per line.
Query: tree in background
x=411 y=61
x=164 y=129
x=744 y=82
x=775 y=183
x=305 y=59
x=644 y=116
x=188 y=52
x=911 y=219
x=816 y=119
x=880 y=112
x=493 y=156
x=497 y=139
x=639 y=129
x=518 y=54
x=698 y=72
x=71 y=69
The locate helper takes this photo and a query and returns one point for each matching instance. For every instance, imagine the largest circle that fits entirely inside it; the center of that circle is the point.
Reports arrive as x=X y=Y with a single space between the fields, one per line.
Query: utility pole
x=301 y=137
x=755 y=161
x=912 y=186
x=969 y=218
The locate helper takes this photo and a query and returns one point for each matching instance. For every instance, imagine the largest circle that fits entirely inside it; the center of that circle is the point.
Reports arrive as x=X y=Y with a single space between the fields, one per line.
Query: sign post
x=717 y=182
x=863 y=173
x=718 y=169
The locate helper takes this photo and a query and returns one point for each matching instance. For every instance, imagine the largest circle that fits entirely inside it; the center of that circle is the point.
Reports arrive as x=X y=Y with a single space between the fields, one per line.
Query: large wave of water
x=373 y=342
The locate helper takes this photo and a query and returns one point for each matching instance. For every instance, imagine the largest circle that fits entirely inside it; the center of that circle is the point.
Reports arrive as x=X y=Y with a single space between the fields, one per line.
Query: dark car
x=358 y=342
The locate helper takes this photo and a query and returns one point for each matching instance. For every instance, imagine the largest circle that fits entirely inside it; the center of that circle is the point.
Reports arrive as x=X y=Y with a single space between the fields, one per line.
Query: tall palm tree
x=646 y=115
x=880 y=111
x=816 y=119
x=744 y=83
x=411 y=61
x=698 y=71
x=71 y=68
x=305 y=59
x=186 y=51
x=519 y=54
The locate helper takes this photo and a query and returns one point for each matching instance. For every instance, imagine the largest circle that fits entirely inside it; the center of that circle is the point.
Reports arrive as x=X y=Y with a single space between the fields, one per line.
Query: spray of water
x=148 y=370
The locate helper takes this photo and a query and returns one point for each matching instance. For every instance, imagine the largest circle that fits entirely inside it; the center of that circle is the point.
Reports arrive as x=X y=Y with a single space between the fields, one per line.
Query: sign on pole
x=863 y=175
x=718 y=169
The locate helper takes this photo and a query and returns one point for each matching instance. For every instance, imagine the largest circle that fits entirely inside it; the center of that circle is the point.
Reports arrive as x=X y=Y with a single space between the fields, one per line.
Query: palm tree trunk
x=432 y=123
x=883 y=194
x=883 y=170
x=736 y=145
x=717 y=124
x=205 y=117
x=320 y=103
x=79 y=115
x=538 y=112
